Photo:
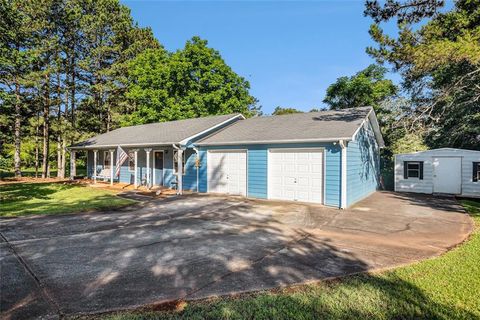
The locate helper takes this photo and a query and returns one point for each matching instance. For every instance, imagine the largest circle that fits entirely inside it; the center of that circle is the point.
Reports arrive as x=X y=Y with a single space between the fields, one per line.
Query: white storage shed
x=445 y=170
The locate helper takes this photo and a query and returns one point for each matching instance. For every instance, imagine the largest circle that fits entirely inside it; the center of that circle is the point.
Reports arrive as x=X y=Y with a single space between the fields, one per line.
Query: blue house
x=326 y=157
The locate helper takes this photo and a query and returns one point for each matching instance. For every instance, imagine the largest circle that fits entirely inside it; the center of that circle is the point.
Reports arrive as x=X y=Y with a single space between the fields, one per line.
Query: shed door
x=296 y=174
x=227 y=172
x=447 y=175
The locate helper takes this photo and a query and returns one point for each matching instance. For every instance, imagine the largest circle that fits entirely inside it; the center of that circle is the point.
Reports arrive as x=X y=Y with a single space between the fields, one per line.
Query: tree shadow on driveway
x=189 y=249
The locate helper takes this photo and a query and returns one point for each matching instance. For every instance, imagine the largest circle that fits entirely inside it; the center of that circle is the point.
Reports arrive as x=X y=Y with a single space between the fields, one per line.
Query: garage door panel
x=317 y=169
x=302 y=168
x=317 y=183
x=296 y=174
x=303 y=181
x=227 y=172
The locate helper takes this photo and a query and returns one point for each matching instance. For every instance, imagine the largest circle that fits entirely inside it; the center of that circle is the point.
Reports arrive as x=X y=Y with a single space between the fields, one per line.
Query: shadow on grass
x=362 y=296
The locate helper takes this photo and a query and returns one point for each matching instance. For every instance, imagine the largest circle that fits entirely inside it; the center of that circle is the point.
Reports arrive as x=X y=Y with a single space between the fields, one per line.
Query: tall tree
x=14 y=63
x=439 y=61
x=366 y=88
x=191 y=82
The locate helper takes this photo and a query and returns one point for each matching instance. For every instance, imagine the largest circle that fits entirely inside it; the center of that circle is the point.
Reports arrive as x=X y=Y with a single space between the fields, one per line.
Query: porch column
x=73 y=168
x=95 y=152
x=147 y=151
x=135 y=183
x=111 y=166
x=180 y=172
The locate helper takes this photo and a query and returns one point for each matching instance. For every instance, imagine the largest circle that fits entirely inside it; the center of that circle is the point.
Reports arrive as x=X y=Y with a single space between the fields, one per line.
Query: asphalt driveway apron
x=199 y=246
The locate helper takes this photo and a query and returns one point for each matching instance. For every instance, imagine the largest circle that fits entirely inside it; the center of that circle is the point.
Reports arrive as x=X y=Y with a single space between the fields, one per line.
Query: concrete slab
x=197 y=246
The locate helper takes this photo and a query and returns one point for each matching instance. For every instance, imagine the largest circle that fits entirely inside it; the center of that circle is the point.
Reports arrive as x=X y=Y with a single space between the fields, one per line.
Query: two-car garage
x=293 y=174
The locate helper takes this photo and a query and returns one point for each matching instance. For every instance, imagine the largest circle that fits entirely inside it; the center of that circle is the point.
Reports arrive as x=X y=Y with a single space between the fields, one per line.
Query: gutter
x=272 y=141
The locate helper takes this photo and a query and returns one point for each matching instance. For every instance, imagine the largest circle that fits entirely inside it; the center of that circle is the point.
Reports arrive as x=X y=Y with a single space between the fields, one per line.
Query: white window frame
x=175 y=162
x=418 y=163
x=478 y=173
x=131 y=158
x=105 y=154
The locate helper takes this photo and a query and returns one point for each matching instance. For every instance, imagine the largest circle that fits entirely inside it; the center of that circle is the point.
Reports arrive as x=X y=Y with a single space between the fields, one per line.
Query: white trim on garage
x=269 y=168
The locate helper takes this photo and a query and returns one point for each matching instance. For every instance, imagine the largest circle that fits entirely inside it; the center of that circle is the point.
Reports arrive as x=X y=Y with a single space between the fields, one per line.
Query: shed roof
x=331 y=125
x=161 y=133
x=439 y=151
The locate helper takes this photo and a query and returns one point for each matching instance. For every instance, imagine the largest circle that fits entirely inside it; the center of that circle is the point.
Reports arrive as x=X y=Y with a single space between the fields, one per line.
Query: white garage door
x=295 y=174
x=227 y=172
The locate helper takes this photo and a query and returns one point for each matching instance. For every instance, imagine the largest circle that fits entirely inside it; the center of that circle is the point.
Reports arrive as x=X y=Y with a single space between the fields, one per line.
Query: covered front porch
x=145 y=167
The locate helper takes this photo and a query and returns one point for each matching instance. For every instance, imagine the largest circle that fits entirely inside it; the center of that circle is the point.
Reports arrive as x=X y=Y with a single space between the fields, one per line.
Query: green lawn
x=30 y=172
x=447 y=287
x=19 y=199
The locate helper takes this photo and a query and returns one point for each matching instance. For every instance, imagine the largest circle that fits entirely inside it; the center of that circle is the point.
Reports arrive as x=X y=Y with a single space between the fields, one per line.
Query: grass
x=447 y=287
x=20 y=199
x=30 y=172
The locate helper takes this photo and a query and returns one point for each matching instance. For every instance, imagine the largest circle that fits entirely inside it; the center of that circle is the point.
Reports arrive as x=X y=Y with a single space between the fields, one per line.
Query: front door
x=447 y=175
x=158 y=168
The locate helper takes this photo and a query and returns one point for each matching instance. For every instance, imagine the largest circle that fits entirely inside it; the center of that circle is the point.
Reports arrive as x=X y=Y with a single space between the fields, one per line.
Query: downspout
x=343 y=169
x=197 y=162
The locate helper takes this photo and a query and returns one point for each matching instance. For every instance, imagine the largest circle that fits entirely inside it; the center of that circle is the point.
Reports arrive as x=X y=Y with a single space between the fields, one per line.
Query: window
x=106 y=160
x=131 y=161
x=476 y=172
x=175 y=161
x=413 y=169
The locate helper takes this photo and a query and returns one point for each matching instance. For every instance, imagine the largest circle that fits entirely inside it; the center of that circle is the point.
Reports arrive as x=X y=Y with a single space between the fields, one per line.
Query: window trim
x=407 y=170
x=131 y=157
x=175 y=163
x=417 y=170
x=477 y=164
x=105 y=154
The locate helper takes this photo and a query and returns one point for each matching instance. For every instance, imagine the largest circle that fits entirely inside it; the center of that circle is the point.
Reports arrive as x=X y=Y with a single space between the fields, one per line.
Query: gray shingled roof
x=311 y=126
x=162 y=133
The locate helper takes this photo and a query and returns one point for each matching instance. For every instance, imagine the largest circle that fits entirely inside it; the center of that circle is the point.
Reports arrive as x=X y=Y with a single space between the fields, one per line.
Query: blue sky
x=290 y=52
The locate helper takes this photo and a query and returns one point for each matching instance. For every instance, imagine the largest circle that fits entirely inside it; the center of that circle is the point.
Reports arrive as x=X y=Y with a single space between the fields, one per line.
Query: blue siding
x=89 y=163
x=258 y=172
x=190 y=176
x=362 y=166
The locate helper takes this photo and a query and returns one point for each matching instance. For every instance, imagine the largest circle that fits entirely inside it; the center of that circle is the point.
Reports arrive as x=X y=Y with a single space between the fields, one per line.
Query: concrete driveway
x=198 y=246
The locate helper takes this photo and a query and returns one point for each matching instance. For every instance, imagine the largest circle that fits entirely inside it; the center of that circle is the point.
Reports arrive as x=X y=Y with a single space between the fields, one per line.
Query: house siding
x=469 y=187
x=363 y=165
x=257 y=168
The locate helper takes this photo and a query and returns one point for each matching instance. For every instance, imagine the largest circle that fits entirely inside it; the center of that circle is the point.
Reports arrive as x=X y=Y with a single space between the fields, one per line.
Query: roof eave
x=229 y=143
x=123 y=145
x=187 y=139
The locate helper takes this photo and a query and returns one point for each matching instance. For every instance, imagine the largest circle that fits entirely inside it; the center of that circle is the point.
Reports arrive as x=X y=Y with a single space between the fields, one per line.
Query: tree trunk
x=60 y=168
x=109 y=118
x=72 y=88
x=37 y=129
x=46 y=127
x=64 y=147
x=59 y=157
x=18 y=123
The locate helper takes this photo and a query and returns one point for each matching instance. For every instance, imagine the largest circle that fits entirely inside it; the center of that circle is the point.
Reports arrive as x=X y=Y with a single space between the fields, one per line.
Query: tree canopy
x=280 y=110
x=188 y=83
x=366 y=88
x=70 y=69
x=439 y=61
